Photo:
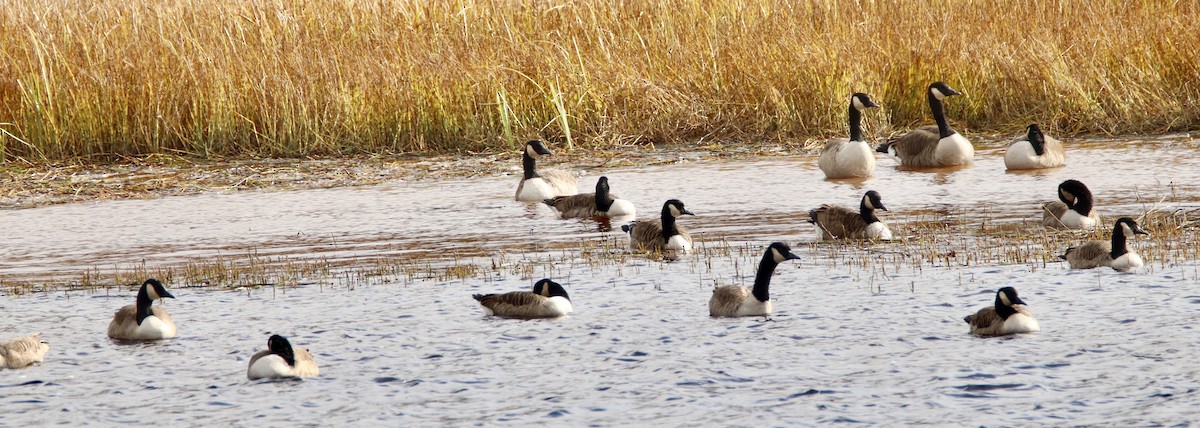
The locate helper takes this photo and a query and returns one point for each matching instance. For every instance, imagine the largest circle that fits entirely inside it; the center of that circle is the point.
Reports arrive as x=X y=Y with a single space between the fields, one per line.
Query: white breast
x=852 y=159
x=622 y=208
x=558 y=305
x=955 y=150
x=154 y=328
x=1020 y=155
x=878 y=230
x=753 y=307
x=677 y=243
x=1073 y=220
x=269 y=367
x=1020 y=323
x=535 y=190
x=1127 y=261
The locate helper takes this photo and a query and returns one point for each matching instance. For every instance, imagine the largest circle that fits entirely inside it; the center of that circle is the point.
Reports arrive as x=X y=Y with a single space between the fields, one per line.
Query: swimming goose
x=547 y=300
x=141 y=321
x=22 y=351
x=1075 y=209
x=592 y=205
x=662 y=234
x=1035 y=151
x=737 y=301
x=281 y=360
x=537 y=185
x=838 y=222
x=931 y=146
x=853 y=157
x=1115 y=254
x=1008 y=316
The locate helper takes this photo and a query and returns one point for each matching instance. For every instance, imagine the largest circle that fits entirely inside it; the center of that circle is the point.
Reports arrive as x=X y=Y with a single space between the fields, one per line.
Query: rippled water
x=845 y=345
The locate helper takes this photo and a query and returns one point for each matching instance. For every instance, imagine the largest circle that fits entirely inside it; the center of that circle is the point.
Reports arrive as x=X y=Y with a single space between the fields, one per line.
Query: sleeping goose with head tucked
x=281 y=360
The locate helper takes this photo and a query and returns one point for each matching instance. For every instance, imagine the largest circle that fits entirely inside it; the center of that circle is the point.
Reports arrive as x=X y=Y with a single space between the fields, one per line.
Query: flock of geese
x=930 y=146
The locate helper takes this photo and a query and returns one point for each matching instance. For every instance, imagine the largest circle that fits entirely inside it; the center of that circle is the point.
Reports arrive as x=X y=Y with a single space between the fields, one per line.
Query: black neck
x=935 y=105
x=668 y=224
x=1038 y=143
x=855 y=124
x=143 y=304
x=867 y=213
x=762 y=279
x=530 y=165
x=603 y=201
x=1118 y=242
x=1083 y=205
x=1003 y=310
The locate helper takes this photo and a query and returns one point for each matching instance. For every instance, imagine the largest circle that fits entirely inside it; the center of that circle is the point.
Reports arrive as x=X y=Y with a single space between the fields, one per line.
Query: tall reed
x=322 y=77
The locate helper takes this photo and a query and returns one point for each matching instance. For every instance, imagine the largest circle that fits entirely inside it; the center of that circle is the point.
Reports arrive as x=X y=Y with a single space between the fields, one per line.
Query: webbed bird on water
x=537 y=186
x=932 y=145
x=1007 y=316
x=737 y=301
x=593 y=205
x=547 y=300
x=141 y=321
x=852 y=157
x=281 y=360
x=663 y=234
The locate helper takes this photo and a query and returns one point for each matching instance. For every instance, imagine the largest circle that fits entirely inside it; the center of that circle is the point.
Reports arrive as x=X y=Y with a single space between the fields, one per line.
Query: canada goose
x=547 y=300
x=591 y=205
x=142 y=322
x=929 y=145
x=22 y=351
x=1115 y=254
x=662 y=234
x=281 y=360
x=1008 y=316
x=838 y=222
x=1075 y=209
x=537 y=185
x=853 y=157
x=736 y=301
x=1035 y=151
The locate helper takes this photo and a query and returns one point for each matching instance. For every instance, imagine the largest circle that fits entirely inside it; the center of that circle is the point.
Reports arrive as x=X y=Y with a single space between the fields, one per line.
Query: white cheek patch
x=867 y=202
x=674 y=211
x=152 y=293
x=858 y=105
x=1126 y=229
x=1067 y=195
x=779 y=258
x=531 y=152
x=937 y=94
x=1004 y=299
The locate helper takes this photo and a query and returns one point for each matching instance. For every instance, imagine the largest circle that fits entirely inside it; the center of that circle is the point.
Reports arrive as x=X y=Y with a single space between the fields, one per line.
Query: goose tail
x=478 y=297
x=627 y=228
x=553 y=201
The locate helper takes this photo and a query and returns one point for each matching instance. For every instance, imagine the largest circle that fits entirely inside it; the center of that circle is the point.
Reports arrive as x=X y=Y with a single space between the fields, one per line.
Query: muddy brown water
x=846 y=345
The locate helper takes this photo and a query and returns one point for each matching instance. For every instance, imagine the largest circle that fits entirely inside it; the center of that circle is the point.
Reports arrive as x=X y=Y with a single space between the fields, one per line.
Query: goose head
x=872 y=201
x=535 y=148
x=1006 y=298
x=154 y=290
x=674 y=208
x=280 y=346
x=780 y=252
x=548 y=288
x=862 y=101
x=941 y=90
x=1071 y=191
x=1128 y=227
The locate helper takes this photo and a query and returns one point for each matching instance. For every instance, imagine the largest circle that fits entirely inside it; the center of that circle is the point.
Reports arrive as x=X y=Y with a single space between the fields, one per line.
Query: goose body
x=141 y=321
x=1073 y=210
x=663 y=234
x=1007 y=316
x=537 y=186
x=838 y=222
x=281 y=360
x=22 y=352
x=932 y=146
x=547 y=300
x=1036 y=151
x=736 y=301
x=852 y=157
x=593 y=205
x=1115 y=254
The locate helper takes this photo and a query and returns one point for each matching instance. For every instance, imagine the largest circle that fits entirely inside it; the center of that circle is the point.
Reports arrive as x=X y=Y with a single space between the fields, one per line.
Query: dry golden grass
x=291 y=78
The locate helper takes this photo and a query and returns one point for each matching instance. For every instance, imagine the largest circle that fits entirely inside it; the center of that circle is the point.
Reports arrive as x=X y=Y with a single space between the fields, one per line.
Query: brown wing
x=726 y=300
x=582 y=205
x=838 y=222
x=1089 y=255
x=305 y=366
x=647 y=235
x=1052 y=213
x=516 y=304
x=985 y=322
x=124 y=322
x=917 y=147
x=21 y=352
x=562 y=182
